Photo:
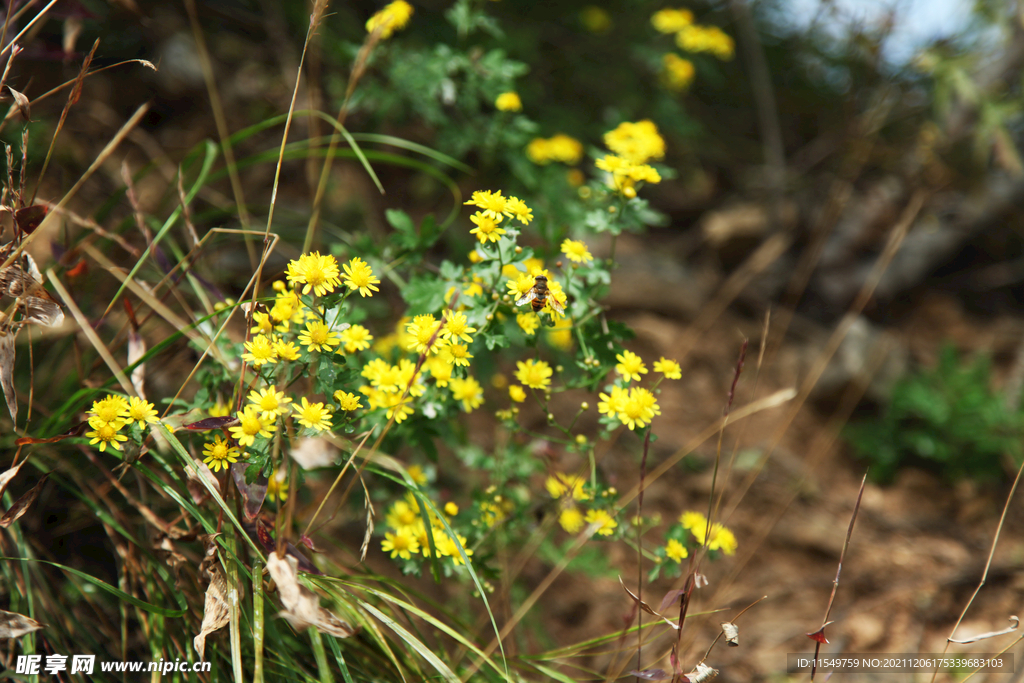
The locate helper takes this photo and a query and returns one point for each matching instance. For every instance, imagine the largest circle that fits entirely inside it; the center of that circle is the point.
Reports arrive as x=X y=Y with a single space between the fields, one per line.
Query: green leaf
x=424 y=294
x=326 y=373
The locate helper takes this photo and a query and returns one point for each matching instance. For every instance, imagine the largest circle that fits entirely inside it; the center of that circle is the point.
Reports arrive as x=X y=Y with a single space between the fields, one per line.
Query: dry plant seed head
x=702 y=673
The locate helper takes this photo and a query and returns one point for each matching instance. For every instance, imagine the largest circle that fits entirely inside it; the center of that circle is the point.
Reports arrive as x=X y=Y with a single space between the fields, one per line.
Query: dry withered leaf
x=645 y=607
x=10 y=474
x=215 y=611
x=22 y=103
x=7 y=372
x=302 y=606
x=77 y=430
x=14 y=625
x=30 y=218
x=22 y=505
x=731 y=633
x=24 y=283
x=702 y=673
x=253 y=494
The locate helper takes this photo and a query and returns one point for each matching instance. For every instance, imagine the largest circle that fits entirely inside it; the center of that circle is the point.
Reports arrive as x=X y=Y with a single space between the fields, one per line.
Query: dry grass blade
x=988 y=563
x=29 y=25
x=7 y=373
x=93 y=167
x=90 y=334
x=819 y=636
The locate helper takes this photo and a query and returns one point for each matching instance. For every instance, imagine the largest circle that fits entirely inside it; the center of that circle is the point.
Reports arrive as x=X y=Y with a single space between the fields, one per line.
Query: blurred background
x=798 y=147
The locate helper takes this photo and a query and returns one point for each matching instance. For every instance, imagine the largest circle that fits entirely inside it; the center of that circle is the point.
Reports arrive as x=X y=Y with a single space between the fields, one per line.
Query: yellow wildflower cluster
x=693 y=37
x=109 y=415
x=560 y=148
x=392 y=18
x=409 y=535
x=706 y=39
x=508 y=101
x=721 y=538
x=576 y=251
x=494 y=208
x=676 y=73
x=633 y=144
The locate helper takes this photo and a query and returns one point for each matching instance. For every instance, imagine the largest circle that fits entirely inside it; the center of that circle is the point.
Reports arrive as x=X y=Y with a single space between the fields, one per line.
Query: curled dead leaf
x=7 y=373
x=22 y=505
x=77 y=430
x=14 y=625
x=731 y=633
x=22 y=103
x=302 y=606
x=215 y=611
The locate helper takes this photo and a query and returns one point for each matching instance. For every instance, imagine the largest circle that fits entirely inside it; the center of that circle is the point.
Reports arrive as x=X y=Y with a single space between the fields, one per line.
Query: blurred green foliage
x=945 y=418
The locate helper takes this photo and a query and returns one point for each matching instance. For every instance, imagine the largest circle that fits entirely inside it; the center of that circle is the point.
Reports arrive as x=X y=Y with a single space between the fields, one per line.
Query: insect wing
x=527 y=298
x=557 y=307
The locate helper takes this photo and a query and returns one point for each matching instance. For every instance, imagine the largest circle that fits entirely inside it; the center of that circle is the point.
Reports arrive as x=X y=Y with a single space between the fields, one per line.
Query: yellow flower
x=106 y=434
x=251 y=425
x=517 y=393
x=270 y=402
x=612 y=404
x=493 y=204
x=456 y=354
x=486 y=229
x=318 y=337
x=528 y=322
x=671 y=20
x=397 y=406
x=520 y=210
x=220 y=410
x=518 y=288
x=535 y=374
x=630 y=366
x=319 y=273
x=705 y=39
x=508 y=101
x=448 y=546
x=722 y=539
x=603 y=518
x=440 y=369
x=468 y=391
x=560 y=336
x=576 y=251
x=423 y=334
x=694 y=520
x=358 y=274
x=674 y=550
x=277 y=488
x=261 y=323
x=669 y=368
x=677 y=73
x=451 y=509
x=401 y=544
x=560 y=148
x=219 y=454
x=402 y=515
x=392 y=18
x=260 y=350
x=417 y=474
x=110 y=410
x=314 y=415
x=571 y=519
x=381 y=374
x=346 y=401
x=639 y=409
x=356 y=338
x=457 y=327
x=559 y=485
x=286 y=350
x=141 y=411
x=636 y=142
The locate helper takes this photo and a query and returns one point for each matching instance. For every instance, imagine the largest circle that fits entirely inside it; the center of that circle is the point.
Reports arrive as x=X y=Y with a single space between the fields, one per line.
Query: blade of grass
x=414 y=642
